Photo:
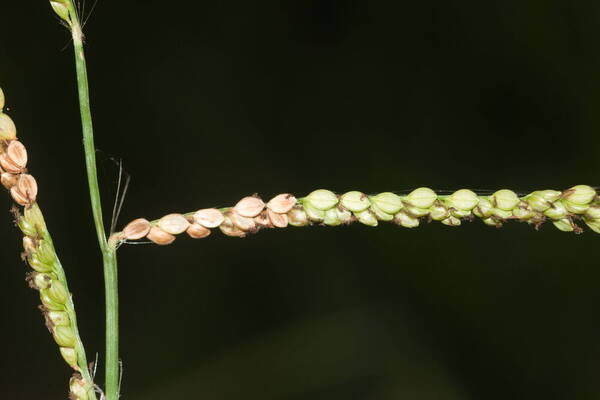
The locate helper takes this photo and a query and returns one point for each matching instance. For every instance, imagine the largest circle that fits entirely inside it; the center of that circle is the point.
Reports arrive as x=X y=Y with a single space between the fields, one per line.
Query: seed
x=332 y=218
x=575 y=208
x=8 y=180
x=64 y=336
x=382 y=216
x=321 y=199
x=278 y=220
x=57 y=292
x=209 y=217
x=505 y=199
x=49 y=303
x=580 y=194
x=8 y=130
x=262 y=220
x=451 y=221
x=58 y=318
x=229 y=229
x=593 y=212
x=438 y=211
x=19 y=197
x=7 y=165
x=502 y=214
x=484 y=208
x=314 y=214
x=243 y=223
x=523 y=213
x=345 y=216
x=463 y=199
x=461 y=213
x=564 y=225
x=366 y=217
x=78 y=389
x=62 y=11
x=70 y=356
x=17 y=154
x=29 y=245
x=421 y=198
x=197 y=231
x=136 y=229
x=282 y=203
x=173 y=224
x=492 y=222
x=159 y=236
x=27 y=185
x=41 y=281
x=37 y=264
x=388 y=202
x=297 y=217
x=415 y=211
x=594 y=224
x=405 y=220
x=557 y=211
x=249 y=206
x=355 y=201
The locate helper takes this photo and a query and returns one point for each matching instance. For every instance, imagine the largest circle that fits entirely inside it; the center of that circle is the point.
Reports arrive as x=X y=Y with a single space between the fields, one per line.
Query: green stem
x=108 y=251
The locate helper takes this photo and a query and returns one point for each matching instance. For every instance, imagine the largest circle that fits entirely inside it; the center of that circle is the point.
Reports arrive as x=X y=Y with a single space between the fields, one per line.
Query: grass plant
x=565 y=209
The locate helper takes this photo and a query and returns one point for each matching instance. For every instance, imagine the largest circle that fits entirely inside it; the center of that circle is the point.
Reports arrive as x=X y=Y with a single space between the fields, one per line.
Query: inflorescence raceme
x=250 y=214
x=47 y=275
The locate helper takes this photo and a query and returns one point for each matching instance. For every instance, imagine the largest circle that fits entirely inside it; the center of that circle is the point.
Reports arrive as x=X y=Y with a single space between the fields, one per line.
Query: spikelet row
x=47 y=275
x=562 y=208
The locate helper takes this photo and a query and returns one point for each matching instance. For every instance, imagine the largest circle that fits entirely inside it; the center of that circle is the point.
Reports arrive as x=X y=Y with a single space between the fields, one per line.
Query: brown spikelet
x=249 y=207
x=17 y=154
x=8 y=166
x=278 y=220
x=208 y=217
x=197 y=231
x=8 y=180
x=136 y=229
x=262 y=220
x=282 y=203
x=27 y=185
x=173 y=224
x=159 y=236
x=246 y=224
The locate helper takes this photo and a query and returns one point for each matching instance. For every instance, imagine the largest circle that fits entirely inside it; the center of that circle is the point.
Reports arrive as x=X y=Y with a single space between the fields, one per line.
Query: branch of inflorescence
x=250 y=214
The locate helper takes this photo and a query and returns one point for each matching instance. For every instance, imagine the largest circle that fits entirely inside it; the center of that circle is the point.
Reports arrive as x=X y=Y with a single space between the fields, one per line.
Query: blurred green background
x=207 y=102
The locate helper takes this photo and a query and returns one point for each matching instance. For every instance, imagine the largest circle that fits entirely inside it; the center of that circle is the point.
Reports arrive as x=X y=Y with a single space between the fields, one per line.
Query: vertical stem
x=109 y=256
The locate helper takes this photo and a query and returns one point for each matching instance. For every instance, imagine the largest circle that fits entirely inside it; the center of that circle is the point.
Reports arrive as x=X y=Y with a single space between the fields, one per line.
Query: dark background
x=207 y=103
